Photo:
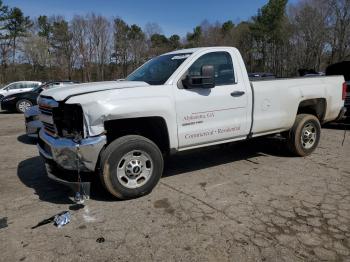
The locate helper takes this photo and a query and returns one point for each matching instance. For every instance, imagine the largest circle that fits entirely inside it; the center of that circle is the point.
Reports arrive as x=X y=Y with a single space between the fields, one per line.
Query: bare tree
x=63 y=45
x=151 y=29
x=121 y=44
x=100 y=35
x=339 y=20
x=309 y=24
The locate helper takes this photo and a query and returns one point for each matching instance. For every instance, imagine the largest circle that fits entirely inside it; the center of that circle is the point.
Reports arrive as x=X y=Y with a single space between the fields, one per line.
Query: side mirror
x=205 y=80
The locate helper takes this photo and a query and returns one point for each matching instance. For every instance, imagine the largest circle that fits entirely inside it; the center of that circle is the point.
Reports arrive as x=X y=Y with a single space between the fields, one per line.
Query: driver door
x=210 y=115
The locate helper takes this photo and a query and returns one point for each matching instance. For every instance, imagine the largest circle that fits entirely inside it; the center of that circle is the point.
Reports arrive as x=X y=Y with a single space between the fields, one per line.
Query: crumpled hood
x=61 y=93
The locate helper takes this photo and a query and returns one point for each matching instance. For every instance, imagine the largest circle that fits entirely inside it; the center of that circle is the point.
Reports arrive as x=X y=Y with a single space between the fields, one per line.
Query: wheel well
x=153 y=128
x=316 y=107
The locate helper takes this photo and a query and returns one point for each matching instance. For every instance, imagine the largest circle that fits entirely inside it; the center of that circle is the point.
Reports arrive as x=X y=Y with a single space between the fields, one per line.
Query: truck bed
x=275 y=104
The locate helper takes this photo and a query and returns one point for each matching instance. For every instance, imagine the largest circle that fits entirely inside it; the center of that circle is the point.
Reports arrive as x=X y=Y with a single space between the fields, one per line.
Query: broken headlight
x=69 y=121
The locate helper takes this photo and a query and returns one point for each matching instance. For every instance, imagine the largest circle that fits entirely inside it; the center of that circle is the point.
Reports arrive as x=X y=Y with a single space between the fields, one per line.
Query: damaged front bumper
x=33 y=128
x=64 y=152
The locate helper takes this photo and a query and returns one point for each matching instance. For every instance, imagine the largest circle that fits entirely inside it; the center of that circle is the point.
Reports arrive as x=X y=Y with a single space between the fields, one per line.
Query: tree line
x=281 y=38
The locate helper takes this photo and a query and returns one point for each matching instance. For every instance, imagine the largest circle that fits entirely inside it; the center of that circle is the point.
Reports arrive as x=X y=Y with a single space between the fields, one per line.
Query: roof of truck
x=194 y=50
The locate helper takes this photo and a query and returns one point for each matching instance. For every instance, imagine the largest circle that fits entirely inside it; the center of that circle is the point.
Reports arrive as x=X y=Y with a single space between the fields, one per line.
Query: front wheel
x=23 y=105
x=131 y=166
x=304 y=136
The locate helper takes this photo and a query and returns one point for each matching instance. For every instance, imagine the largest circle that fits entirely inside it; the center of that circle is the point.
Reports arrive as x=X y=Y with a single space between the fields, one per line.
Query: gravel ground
x=242 y=202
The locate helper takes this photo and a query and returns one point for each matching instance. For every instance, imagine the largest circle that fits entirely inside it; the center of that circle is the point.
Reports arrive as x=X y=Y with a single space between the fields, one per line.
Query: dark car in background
x=342 y=68
x=22 y=101
x=261 y=76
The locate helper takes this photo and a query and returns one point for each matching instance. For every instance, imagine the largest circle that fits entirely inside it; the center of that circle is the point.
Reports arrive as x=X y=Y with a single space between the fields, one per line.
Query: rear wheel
x=131 y=166
x=22 y=105
x=304 y=136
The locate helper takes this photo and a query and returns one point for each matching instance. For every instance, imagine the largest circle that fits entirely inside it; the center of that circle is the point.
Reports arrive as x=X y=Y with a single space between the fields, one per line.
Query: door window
x=14 y=86
x=223 y=67
x=32 y=85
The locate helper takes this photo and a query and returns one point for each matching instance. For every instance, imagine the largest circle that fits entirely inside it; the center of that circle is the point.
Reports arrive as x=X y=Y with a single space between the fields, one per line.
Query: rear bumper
x=64 y=152
x=342 y=114
x=347 y=113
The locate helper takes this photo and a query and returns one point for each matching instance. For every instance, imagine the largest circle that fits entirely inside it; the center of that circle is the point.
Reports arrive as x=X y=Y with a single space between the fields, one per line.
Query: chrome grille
x=49 y=128
x=46 y=106
x=45 y=110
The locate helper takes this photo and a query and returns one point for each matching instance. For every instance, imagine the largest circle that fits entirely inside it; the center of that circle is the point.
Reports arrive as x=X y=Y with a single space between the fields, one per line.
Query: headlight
x=8 y=99
x=69 y=121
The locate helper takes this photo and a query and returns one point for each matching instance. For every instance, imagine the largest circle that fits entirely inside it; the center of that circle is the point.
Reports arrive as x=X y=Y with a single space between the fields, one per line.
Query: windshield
x=158 y=70
x=38 y=88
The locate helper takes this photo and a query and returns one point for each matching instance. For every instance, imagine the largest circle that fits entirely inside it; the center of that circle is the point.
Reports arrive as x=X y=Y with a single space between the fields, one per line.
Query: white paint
x=188 y=113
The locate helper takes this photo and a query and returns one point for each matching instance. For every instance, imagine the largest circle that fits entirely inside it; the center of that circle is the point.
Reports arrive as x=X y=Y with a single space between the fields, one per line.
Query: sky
x=174 y=17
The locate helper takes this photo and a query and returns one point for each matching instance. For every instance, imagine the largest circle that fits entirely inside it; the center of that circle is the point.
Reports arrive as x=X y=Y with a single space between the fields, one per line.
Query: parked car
x=309 y=73
x=20 y=102
x=179 y=101
x=32 y=121
x=342 y=68
x=18 y=87
x=261 y=76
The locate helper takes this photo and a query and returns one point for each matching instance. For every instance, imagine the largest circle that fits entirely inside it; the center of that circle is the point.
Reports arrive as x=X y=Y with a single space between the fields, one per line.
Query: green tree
x=227 y=27
x=194 y=38
x=159 y=41
x=17 y=26
x=268 y=29
x=45 y=27
x=62 y=45
x=159 y=44
x=174 y=41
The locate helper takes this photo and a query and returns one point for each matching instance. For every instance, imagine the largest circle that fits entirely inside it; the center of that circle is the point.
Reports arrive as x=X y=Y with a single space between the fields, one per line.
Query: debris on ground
x=3 y=222
x=100 y=240
x=87 y=216
x=80 y=198
x=62 y=219
x=57 y=219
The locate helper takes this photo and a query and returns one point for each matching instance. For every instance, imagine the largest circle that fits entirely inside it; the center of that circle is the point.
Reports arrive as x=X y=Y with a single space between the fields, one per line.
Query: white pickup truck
x=178 y=101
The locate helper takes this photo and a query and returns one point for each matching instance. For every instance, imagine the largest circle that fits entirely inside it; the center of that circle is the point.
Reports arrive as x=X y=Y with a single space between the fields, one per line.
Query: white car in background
x=18 y=87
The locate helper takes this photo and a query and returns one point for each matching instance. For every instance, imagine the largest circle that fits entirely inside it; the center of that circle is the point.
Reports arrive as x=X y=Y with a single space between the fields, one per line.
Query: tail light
x=345 y=86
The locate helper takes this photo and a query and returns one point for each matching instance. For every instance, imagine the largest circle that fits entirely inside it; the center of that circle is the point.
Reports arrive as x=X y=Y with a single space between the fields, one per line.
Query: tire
x=304 y=136
x=131 y=166
x=22 y=105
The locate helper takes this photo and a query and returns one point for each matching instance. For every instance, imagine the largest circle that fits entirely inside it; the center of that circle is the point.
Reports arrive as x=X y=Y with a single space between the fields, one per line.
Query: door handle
x=237 y=93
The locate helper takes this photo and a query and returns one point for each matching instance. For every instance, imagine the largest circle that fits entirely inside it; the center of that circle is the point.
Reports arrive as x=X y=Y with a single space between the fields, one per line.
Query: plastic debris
x=3 y=222
x=100 y=240
x=62 y=219
x=78 y=198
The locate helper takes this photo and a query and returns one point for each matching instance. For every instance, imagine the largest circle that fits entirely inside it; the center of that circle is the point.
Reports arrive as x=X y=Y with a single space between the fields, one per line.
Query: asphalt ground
x=249 y=201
